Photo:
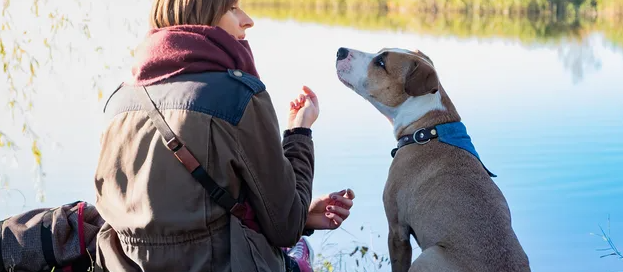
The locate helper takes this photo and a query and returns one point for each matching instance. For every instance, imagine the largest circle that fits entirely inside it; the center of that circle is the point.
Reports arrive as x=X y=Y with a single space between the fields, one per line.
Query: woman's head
x=226 y=14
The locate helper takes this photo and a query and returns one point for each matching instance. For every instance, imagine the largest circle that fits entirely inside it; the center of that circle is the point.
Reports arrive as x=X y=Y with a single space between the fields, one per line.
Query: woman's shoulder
x=224 y=95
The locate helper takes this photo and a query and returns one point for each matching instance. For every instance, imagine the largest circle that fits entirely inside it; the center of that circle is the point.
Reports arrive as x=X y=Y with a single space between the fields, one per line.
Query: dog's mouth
x=345 y=82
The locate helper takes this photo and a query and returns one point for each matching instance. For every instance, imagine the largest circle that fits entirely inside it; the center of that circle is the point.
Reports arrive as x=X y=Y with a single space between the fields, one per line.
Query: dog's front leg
x=399 y=248
x=398 y=236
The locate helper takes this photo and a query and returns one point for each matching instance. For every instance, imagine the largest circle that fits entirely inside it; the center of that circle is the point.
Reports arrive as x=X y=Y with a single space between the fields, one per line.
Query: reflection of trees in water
x=568 y=34
x=574 y=44
x=579 y=58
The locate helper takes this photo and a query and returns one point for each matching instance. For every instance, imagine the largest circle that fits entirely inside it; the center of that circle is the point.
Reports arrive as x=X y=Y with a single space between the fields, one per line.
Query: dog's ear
x=421 y=79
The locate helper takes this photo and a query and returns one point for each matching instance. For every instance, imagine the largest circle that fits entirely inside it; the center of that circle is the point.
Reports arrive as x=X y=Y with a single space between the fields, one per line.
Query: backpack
x=59 y=239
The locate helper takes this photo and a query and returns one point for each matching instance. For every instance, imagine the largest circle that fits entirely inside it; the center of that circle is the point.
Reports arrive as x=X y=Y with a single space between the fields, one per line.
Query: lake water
x=546 y=117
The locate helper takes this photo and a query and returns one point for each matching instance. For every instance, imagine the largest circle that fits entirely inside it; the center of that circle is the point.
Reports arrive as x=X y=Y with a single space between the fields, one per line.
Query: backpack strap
x=190 y=162
x=46 y=239
x=2 y=269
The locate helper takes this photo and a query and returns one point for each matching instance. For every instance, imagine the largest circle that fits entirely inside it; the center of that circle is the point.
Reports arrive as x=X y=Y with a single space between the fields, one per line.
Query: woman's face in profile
x=235 y=21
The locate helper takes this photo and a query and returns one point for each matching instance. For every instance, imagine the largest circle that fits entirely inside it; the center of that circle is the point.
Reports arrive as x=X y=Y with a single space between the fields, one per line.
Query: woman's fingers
x=350 y=194
x=312 y=96
x=335 y=219
x=296 y=104
x=342 y=212
x=342 y=201
x=302 y=99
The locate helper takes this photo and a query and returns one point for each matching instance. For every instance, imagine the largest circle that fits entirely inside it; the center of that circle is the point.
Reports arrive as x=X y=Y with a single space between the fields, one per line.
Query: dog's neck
x=424 y=111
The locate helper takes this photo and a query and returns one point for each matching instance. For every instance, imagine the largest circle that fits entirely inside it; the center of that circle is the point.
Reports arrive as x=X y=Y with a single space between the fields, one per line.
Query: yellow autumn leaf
x=328 y=266
x=35 y=8
x=36 y=152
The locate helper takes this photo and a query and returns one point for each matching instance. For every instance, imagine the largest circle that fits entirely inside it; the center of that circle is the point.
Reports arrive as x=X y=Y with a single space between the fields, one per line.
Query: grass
x=611 y=250
x=359 y=256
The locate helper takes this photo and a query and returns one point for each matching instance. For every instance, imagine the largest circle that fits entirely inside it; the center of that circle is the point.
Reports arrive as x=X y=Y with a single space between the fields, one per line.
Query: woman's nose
x=246 y=21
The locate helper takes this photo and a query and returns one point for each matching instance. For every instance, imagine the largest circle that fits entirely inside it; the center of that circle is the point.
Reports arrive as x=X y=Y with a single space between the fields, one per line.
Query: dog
x=437 y=190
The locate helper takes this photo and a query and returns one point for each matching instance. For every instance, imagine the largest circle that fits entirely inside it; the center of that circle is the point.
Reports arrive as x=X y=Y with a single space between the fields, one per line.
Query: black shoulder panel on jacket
x=224 y=95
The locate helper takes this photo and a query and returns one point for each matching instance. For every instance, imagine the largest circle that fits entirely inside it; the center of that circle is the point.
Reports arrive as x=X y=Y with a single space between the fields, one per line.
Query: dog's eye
x=380 y=62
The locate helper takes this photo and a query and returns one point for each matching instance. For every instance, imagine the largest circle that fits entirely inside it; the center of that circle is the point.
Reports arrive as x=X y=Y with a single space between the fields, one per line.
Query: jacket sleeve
x=281 y=172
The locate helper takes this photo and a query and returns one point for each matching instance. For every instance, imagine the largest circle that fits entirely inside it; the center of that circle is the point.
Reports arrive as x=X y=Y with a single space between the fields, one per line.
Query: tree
x=36 y=38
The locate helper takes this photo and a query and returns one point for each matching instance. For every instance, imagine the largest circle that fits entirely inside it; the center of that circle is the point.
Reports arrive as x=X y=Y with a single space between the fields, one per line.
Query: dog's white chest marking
x=415 y=108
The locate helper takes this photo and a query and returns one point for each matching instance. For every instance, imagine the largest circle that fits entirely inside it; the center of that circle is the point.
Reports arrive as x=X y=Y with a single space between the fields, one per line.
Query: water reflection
x=527 y=29
x=579 y=58
x=569 y=35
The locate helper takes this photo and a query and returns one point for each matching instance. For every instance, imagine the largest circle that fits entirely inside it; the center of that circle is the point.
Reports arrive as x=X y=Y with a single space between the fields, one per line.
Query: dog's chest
x=405 y=178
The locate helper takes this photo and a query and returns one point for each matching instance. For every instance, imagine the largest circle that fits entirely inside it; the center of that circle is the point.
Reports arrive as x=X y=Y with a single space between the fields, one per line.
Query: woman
x=195 y=67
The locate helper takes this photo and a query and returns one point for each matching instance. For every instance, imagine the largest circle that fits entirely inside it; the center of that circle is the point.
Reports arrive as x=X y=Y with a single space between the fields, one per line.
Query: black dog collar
x=421 y=136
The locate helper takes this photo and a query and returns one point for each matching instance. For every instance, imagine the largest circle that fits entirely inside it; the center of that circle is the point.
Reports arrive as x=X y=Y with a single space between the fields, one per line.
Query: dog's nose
x=342 y=53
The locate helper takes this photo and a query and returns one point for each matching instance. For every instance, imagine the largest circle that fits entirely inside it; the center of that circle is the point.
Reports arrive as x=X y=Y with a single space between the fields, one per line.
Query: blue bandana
x=455 y=134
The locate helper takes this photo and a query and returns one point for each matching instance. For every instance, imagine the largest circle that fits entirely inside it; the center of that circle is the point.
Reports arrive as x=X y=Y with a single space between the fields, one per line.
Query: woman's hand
x=303 y=110
x=329 y=211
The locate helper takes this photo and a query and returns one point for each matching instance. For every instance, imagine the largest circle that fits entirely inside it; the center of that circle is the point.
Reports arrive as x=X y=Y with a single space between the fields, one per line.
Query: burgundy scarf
x=175 y=50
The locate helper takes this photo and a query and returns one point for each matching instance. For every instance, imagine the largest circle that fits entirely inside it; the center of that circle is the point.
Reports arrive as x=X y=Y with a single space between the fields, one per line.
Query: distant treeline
x=557 y=7
x=528 y=29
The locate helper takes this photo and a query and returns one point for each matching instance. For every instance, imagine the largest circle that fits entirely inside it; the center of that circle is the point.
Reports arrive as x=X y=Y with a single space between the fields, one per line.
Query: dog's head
x=391 y=78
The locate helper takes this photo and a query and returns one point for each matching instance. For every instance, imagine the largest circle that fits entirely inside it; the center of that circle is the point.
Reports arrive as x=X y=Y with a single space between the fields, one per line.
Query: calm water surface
x=547 y=119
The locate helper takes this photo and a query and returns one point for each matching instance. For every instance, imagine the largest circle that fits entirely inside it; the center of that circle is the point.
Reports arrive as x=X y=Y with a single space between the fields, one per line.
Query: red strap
x=83 y=249
x=67 y=269
x=248 y=219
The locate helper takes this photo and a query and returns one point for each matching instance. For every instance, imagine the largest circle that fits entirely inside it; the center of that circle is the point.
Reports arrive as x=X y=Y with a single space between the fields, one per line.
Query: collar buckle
x=422 y=136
